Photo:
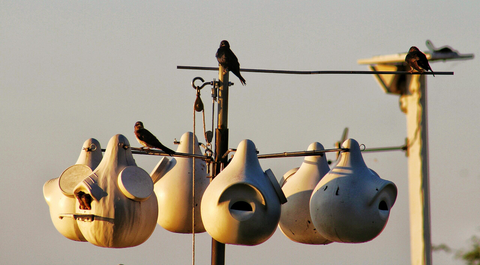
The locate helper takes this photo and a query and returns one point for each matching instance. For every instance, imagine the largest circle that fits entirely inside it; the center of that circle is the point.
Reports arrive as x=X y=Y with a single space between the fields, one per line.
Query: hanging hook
x=201 y=79
x=195 y=79
x=363 y=147
x=91 y=148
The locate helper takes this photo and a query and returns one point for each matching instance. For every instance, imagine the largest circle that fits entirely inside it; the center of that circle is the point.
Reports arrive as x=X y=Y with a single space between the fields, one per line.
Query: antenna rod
x=315 y=72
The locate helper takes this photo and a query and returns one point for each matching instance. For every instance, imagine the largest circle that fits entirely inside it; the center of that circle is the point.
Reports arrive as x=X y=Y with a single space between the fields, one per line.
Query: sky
x=72 y=70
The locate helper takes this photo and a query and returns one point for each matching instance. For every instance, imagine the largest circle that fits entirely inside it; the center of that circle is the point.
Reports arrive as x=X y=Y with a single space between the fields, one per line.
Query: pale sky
x=72 y=70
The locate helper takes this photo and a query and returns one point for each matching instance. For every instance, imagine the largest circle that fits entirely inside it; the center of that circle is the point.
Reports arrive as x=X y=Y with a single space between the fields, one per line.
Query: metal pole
x=221 y=147
x=414 y=104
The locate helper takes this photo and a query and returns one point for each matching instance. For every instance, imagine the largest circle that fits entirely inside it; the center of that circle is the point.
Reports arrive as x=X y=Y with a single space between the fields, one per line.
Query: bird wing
x=423 y=61
x=229 y=61
x=234 y=65
x=232 y=58
x=152 y=141
x=146 y=136
x=221 y=57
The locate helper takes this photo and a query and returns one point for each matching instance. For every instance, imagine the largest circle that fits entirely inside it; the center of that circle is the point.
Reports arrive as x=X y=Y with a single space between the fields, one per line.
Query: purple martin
x=417 y=60
x=147 y=139
x=228 y=60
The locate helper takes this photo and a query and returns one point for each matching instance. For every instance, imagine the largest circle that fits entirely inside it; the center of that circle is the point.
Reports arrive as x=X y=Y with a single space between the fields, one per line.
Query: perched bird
x=147 y=139
x=228 y=60
x=417 y=60
x=444 y=49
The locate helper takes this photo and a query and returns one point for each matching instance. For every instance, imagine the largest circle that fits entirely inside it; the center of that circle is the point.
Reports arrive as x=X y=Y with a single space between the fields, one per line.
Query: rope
x=197 y=106
x=193 y=190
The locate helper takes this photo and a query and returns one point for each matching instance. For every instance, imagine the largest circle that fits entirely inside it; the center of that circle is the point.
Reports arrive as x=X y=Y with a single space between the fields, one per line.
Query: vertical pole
x=414 y=104
x=221 y=147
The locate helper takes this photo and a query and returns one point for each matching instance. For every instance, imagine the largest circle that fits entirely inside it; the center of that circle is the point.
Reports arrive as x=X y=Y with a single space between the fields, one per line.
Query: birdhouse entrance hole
x=241 y=206
x=84 y=200
x=383 y=206
x=242 y=210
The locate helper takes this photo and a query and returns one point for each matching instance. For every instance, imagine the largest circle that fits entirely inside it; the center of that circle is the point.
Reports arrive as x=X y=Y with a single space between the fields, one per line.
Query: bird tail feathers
x=242 y=80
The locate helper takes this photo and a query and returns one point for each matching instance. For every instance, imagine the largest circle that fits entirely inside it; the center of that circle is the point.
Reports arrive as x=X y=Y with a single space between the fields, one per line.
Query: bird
x=147 y=139
x=417 y=60
x=444 y=49
x=228 y=60
x=84 y=201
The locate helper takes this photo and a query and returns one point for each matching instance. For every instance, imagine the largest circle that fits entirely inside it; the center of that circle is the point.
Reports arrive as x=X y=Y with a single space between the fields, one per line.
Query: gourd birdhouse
x=115 y=205
x=351 y=203
x=174 y=183
x=58 y=192
x=295 y=221
x=242 y=204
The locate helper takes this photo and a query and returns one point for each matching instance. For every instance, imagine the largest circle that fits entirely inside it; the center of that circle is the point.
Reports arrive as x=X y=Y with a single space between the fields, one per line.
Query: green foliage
x=471 y=255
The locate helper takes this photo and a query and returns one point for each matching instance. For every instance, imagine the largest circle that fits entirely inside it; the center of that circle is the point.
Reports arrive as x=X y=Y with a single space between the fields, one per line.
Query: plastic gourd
x=123 y=208
x=115 y=204
x=58 y=192
x=242 y=204
x=173 y=188
x=351 y=203
x=295 y=221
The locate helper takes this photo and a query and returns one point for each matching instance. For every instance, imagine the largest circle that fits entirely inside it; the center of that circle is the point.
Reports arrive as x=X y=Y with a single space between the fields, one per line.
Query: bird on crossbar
x=147 y=139
x=228 y=60
x=417 y=60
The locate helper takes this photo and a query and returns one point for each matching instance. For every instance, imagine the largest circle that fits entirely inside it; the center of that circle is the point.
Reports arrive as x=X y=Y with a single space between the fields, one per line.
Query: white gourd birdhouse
x=351 y=203
x=295 y=221
x=58 y=192
x=242 y=204
x=115 y=205
x=173 y=187
x=119 y=206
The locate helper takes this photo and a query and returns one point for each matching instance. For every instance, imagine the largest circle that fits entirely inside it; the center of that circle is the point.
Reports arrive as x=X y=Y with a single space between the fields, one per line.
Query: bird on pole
x=417 y=60
x=228 y=60
x=147 y=139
